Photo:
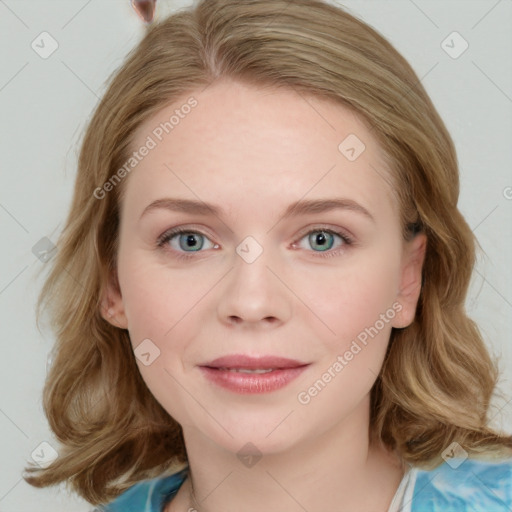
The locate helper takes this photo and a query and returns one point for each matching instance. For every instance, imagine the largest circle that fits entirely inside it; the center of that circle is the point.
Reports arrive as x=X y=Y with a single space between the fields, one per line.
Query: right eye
x=184 y=240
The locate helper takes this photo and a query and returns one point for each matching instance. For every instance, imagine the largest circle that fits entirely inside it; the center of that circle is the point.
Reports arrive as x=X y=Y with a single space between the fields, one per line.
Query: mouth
x=244 y=362
x=246 y=374
x=247 y=370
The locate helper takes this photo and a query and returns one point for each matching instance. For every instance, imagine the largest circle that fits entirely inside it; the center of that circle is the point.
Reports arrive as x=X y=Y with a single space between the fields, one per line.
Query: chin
x=256 y=435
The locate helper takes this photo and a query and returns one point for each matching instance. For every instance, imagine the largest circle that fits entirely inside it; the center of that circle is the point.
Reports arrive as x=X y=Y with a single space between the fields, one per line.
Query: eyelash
x=168 y=235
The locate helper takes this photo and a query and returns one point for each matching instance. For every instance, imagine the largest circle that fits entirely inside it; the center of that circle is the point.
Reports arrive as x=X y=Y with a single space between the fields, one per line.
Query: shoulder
x=460 y=485
x=147 y=495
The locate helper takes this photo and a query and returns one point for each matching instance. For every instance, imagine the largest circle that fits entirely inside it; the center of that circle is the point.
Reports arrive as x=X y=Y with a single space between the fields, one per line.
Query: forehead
x=238 y=141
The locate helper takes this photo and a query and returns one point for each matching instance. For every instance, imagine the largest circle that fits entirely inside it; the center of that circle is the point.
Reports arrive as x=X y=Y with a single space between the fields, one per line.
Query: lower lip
x=252 y=382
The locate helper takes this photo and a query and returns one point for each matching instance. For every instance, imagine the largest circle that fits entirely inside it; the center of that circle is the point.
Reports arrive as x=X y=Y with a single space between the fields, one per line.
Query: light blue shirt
x=472 y=486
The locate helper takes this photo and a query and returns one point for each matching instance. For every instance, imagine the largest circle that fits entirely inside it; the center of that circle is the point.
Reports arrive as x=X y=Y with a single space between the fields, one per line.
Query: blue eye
x=321 y=240
x=192 y=241
x=185 y=240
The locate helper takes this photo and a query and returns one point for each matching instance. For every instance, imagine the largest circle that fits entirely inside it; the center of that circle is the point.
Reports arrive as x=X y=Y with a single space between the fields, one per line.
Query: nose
x=252 y=295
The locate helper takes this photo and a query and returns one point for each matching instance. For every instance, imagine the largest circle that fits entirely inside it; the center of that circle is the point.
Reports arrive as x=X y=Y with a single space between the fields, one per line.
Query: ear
x=410 y=280
x=112 y=306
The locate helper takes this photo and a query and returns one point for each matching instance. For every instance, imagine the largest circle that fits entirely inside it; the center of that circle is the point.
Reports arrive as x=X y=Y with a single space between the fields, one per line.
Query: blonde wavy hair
x=437 y=380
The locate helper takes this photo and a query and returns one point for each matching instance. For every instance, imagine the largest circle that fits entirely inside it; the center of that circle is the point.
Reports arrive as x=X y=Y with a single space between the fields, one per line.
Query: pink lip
x=243 y=361
x=219 y=371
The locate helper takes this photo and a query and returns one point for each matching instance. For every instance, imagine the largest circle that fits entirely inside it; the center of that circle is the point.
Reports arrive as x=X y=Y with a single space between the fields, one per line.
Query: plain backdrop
x=45 y=104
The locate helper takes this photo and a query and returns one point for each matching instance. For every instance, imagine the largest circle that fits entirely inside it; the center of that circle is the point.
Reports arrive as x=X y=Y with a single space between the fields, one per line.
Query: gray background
x=45 y=104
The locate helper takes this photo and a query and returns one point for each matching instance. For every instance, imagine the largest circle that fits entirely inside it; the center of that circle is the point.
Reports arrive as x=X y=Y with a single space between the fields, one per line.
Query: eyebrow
x=301 y=207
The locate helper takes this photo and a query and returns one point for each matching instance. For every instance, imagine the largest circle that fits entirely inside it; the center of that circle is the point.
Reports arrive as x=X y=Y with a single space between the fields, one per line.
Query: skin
x=254 y=152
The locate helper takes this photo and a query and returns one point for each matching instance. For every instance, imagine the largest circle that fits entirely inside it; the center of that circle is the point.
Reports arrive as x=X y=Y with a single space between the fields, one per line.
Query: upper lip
x=253 y=363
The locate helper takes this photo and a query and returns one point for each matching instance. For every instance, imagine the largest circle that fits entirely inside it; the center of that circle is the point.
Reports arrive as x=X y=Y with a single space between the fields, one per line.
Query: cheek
x=155 y=298
x=358 y=305
x=163 y=307
x=145 y=303
x=158 y=308
x=354 y=296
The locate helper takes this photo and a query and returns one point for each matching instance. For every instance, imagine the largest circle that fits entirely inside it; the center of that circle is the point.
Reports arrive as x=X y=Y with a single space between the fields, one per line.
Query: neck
x=334 y=470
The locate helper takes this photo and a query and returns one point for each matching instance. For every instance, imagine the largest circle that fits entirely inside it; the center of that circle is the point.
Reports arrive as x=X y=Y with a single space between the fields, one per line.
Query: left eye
x=322 y=240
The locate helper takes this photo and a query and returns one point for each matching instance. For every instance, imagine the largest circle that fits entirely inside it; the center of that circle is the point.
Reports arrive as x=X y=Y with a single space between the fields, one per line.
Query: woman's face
x=291 y=248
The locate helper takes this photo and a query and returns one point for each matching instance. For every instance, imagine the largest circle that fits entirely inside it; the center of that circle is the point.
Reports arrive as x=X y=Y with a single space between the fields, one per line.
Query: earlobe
x=112 y=306
x=411 y=278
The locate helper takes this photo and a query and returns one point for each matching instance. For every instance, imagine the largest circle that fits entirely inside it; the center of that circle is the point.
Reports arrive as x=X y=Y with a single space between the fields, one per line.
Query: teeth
x=246 y=370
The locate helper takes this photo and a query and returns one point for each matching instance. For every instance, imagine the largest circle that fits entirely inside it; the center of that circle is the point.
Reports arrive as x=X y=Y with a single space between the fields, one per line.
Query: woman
x=273 y=273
